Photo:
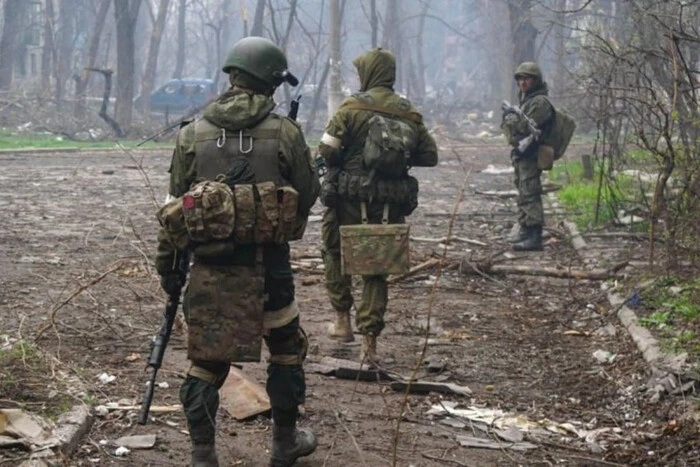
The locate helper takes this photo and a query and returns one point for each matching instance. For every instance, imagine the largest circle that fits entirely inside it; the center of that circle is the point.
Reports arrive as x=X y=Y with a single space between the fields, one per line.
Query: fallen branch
x=596 y=274
x=448 y=241
x=76 y=292
x=414 y=270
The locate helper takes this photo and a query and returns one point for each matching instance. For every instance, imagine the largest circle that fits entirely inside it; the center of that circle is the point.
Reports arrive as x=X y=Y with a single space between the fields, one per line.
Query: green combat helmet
x=261 y=58
x=528 y=69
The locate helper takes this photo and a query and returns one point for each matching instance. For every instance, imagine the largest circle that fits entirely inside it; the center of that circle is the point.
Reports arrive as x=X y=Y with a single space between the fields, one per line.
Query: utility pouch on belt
x=374 y=249
x=203 y=214
x=172 y=220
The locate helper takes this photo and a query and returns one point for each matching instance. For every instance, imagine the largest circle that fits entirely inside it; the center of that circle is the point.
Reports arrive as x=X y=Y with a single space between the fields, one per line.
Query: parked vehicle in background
x=179 y=95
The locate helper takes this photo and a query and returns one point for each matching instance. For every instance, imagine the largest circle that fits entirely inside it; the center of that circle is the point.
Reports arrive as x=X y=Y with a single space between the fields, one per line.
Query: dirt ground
x=78 y=284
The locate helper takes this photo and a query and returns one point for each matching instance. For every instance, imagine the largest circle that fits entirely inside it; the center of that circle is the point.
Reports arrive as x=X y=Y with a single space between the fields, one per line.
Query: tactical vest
x=266 y=210
x=216 y=149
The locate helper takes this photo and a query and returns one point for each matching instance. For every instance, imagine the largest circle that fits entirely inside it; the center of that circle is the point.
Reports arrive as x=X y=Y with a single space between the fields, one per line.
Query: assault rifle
x=535 y=133
x=160 y=342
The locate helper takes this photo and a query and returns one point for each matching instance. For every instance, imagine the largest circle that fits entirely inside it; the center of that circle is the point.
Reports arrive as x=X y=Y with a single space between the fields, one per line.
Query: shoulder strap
x=407 y=115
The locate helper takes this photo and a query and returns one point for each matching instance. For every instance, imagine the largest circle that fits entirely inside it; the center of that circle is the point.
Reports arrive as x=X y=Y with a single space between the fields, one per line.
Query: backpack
x=389 y=141
x=559 y=133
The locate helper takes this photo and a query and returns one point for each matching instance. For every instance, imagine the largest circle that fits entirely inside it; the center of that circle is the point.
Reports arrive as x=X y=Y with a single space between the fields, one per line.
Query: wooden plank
x=243 y=397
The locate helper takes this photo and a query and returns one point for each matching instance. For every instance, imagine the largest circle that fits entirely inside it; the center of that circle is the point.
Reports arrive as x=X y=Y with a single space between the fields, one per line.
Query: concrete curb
x=71 y=428
x=666 y=369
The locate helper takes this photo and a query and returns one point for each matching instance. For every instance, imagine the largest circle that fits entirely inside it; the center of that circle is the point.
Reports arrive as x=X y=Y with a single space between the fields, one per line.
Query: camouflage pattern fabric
x=375 y=296
x=224 y=309
x=374 y=249
x=286 y=386
x=173 y=227
x=349 y=128
x=527 y=181
x=208 y=210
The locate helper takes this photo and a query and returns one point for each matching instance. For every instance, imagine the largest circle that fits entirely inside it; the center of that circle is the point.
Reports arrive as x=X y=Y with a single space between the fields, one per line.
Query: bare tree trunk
x=335 y=92
x=524 y=33
x=83 y=79
x=557 y=81
x=126 y=13
x=499 y=61
x=226 y=37
x=392 y=38
x=257 y=29
x=149 y=73
x=48 y=51
x=9 y=40
x=65 y=35
x=420 y=65
x=374 y=22
x=181 y=39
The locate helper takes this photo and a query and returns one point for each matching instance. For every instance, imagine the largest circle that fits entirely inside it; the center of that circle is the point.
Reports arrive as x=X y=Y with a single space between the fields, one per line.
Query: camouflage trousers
x=375 y=295
x=286 y=387
x=527 y=181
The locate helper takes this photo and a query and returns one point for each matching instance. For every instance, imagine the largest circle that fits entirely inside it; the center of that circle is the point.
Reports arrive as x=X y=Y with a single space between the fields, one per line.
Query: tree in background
x=12 y=27
x=149 y=73
x=125 y=15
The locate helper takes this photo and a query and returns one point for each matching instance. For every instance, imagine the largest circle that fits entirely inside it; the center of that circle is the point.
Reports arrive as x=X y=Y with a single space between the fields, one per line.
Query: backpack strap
x=406 y=115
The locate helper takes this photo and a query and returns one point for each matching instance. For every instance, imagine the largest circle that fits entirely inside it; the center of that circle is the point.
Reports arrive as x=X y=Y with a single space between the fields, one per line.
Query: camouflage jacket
x=345 y=134
x=535 y=104
x=236 y=110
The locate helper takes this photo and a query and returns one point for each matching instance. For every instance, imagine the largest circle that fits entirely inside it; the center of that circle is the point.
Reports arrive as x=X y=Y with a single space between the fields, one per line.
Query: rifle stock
x=160 y=342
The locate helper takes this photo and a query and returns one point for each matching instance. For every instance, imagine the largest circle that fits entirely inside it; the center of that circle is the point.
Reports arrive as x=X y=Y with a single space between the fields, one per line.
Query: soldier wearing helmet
x=532 y=96
x=250 y=285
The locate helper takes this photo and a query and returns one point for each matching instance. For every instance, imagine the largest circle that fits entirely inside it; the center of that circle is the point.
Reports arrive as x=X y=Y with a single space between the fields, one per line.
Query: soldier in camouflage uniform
x=342 y=146
x=226 y=275
x=533 y=103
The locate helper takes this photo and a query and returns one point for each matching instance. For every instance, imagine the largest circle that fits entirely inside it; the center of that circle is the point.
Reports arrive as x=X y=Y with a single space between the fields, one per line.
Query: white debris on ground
x=512 y=429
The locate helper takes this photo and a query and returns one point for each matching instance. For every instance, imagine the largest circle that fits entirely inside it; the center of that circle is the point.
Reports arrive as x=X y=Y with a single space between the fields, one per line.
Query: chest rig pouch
x=266 y=210
x=374 y=249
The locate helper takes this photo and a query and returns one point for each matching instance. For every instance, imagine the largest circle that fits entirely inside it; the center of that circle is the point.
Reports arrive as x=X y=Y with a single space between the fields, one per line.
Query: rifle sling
x=406 y=115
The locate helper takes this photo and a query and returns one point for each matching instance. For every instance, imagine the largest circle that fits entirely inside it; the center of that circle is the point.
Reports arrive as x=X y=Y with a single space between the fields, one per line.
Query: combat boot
x=517 y=234
x=289 y=444
x=368 y=353
x=204 y=455
x=533 y=241
x=341 y=329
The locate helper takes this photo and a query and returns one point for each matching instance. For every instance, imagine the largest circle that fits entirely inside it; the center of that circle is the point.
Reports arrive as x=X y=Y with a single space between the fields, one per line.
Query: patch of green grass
x=11 y=140
x=640 y=156
x=672 y=308
x=658 y=320
x=580 y=196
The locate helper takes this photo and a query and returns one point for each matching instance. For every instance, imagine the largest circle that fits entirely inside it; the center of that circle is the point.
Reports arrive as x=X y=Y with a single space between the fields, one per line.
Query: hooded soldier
x=532 y=96
x=346 y=187
x=240 y=293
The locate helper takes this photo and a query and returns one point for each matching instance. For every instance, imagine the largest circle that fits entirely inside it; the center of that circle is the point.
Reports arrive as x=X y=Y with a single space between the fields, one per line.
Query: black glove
x=172 y=283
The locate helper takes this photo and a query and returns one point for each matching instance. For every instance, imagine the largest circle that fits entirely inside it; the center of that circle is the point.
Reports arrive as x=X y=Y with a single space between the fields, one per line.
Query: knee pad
x=291 y=351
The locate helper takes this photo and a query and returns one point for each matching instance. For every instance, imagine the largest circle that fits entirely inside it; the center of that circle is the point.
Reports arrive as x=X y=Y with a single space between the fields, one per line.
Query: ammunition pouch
x=329 y=190
x=402 y=193
x=211 y=218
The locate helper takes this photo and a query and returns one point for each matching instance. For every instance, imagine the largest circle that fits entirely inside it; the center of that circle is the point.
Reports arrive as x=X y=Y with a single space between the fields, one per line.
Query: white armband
x=331 y=141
